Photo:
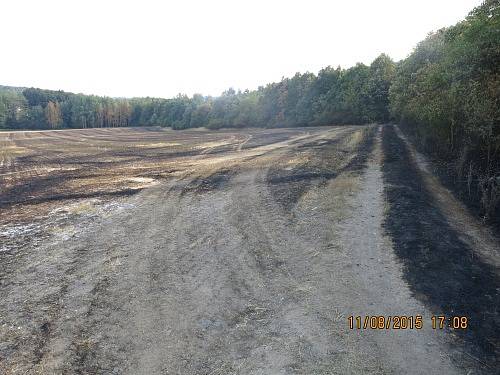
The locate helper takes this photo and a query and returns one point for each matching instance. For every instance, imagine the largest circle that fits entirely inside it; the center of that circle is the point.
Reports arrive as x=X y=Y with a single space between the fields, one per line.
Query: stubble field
x=152 y=251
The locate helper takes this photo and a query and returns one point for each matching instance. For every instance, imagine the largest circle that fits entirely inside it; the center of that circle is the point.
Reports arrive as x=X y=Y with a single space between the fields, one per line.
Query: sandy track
x=249 y=262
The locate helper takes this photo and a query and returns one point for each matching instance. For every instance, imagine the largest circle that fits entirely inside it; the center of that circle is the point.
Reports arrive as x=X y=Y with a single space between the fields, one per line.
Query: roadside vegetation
x=445 y=94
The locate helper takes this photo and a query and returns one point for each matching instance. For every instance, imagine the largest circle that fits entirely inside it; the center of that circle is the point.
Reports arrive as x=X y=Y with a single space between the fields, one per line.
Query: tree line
x=355 y=95
x=446 y=94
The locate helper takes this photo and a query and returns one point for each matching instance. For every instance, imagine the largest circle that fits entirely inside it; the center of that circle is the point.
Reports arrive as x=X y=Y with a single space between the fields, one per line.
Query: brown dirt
x=149 y=251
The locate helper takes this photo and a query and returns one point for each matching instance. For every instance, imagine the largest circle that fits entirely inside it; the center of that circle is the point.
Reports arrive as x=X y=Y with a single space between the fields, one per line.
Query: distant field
x=39 y=168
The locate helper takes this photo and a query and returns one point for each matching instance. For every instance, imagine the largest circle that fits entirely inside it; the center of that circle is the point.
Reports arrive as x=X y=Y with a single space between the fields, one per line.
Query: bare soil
x=151 y=251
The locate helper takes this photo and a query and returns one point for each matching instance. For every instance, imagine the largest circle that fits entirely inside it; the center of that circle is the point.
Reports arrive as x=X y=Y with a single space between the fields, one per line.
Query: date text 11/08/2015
x=406 y=322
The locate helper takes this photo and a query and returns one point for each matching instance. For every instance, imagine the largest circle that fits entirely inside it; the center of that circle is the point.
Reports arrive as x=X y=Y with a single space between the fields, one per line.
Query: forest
x=356 y=95
x=445 y=95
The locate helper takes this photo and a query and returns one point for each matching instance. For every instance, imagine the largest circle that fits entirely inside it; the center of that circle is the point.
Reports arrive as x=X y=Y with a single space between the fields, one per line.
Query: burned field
x=39 y=170
x=152 y=251
x=54 y=180
x=440 y=266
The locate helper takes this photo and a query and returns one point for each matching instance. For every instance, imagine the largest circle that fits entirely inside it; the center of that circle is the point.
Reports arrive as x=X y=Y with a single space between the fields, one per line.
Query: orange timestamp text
x=406 y=322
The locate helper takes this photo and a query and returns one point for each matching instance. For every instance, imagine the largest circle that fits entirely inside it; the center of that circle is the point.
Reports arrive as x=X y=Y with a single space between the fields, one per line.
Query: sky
x=125 y=48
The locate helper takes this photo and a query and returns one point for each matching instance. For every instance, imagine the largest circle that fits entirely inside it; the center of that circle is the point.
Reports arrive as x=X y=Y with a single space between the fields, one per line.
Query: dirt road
x=249 y=258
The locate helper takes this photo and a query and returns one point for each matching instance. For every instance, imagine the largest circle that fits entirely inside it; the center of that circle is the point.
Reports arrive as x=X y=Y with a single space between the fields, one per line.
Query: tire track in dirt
x=221 y=298
x=211 y=273
x=374 y=285
x=139 y=284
